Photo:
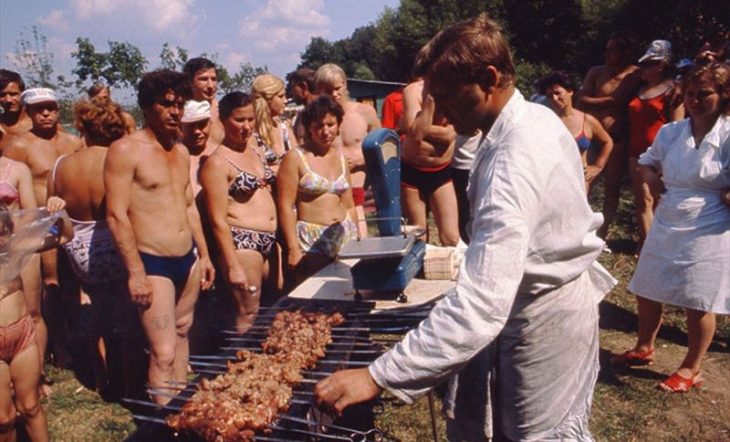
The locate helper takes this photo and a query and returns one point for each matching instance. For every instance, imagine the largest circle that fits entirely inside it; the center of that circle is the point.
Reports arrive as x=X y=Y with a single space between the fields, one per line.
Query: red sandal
x=677 y=383
x=633 y=357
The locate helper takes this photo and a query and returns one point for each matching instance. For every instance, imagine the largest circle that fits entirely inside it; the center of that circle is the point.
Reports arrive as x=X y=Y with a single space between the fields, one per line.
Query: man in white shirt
x=526 y=302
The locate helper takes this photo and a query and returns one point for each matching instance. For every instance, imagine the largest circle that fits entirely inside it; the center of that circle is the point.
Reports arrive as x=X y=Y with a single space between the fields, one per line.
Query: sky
x=270 y=33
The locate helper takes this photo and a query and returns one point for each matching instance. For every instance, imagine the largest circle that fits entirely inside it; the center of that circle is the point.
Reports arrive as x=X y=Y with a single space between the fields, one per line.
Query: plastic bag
x=23 y=233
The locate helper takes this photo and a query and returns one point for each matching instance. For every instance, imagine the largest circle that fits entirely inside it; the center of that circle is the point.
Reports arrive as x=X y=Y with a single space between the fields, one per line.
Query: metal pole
x=432 y=410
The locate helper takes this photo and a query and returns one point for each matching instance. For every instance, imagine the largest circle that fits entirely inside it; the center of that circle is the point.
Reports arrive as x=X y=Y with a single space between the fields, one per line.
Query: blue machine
x=390 y=260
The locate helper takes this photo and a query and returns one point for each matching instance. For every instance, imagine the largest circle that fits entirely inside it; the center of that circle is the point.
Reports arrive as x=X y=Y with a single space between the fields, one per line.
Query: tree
x=35 y=63
x=123 y=65
x=173 y=59
x=241 y=80
x=320 y=51
x=33 y=60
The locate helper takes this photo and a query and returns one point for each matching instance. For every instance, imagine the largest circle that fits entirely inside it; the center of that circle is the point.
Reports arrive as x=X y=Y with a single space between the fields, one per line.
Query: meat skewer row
x=258 y=386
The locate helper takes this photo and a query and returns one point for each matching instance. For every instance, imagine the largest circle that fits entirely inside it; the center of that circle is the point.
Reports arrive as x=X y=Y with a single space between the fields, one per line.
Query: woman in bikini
x=654 y=105
x=20 y=366
x=92 y=252
x=558 y=87
x=273 y=136
x=236 y=183
x=16 y=192
x=315 y=179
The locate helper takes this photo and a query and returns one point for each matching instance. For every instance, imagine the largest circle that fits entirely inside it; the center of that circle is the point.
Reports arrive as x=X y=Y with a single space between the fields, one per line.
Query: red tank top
x=646 y=116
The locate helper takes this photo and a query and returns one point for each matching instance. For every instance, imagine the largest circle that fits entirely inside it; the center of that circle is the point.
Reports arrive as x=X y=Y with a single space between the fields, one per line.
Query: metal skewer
x=233 y=358
x=262 y=331
x=345 y=329
x=360 y=343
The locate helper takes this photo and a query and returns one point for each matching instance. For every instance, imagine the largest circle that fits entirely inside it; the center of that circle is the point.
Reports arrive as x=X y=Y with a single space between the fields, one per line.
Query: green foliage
x=33 y=59
x=123 y=65
x=528 y=73
x=239 y=81
x=34 y=62
x=544 y=34
x=173 y=58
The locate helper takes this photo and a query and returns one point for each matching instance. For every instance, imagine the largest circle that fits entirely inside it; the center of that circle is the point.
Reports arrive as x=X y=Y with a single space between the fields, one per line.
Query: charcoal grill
x=365 y=334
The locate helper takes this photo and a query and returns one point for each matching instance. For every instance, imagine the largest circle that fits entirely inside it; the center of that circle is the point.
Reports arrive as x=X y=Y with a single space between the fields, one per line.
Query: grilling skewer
x=159 y=421
x=258 y=349
x=401 y=329
x=364 y=343
x=273 y=426
x=159 y=391
x=178 y=396
x=323 y=362
x=261 y=331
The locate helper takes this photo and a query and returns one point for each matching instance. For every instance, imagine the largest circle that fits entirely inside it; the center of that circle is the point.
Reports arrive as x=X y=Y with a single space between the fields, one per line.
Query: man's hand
x=237 y=280
x=208 y=273
x=345 y=388
x=140 y=289
x=355 y=162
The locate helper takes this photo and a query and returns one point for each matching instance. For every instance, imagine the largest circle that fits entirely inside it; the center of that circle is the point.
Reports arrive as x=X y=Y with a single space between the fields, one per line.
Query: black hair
x=233 y=100
x=195 y=65
x=155 y=84
x=302 y=76
x=7 y=77
x=321 y=106
x=561 y=78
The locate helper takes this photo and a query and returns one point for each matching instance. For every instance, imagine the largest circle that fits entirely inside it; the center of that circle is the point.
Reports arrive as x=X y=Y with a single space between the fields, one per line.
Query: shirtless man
x=605 y=94
x=39 y=149
x=195 y=126
x=13 y=120
x=301 y=88
x=156 y=227
x=359 y=119
x=204 y=81
x=425 y=165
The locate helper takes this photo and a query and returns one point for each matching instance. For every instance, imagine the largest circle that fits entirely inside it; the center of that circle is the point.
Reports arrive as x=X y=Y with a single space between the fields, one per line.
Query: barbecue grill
x=365 y=334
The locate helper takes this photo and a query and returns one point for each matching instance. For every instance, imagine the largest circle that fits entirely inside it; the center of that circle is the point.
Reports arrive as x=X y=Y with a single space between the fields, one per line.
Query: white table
x=334 y=282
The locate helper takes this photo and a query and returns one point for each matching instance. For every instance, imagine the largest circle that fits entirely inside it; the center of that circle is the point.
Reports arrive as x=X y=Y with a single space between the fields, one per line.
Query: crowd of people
x=230 y=196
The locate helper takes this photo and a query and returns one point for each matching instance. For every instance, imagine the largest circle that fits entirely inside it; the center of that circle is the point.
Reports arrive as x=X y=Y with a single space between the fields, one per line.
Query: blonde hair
x=327 y=75
x=264 y=88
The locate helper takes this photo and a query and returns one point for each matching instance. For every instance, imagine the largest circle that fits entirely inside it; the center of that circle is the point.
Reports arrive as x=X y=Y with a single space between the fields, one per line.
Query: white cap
x=658 y=50
x=38 y=95
x=195 y=111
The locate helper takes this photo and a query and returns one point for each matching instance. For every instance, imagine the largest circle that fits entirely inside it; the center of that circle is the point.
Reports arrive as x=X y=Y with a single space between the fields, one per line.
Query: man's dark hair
x=301 y=76
x=561 y=78
x=625 y=41
x=154 y=85
x=231 y=101
x=7 y=77
x=195 y=65
x=317 y=109
x=462 y=52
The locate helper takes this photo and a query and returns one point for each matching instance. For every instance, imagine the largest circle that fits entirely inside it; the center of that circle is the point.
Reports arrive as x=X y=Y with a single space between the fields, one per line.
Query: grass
x=627 y=406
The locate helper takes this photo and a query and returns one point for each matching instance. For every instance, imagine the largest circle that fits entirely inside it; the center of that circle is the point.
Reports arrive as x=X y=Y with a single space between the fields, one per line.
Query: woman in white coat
x=686 y=257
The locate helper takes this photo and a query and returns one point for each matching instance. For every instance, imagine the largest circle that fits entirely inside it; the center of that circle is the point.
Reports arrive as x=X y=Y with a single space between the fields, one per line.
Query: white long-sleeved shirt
x=532 y=231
